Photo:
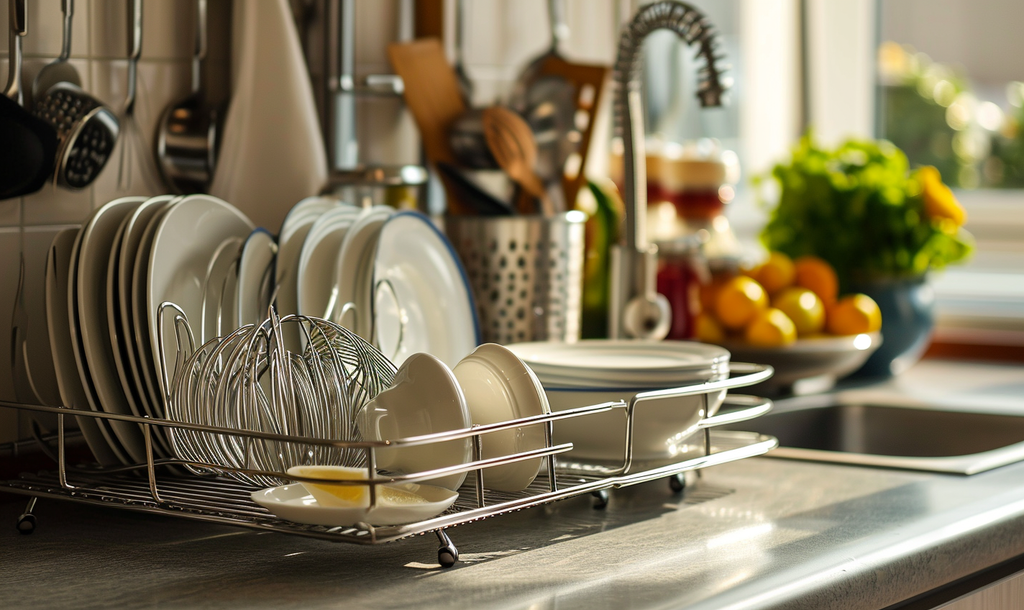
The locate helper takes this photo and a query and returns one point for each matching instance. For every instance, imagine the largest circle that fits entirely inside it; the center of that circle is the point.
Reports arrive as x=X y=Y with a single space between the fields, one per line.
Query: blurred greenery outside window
x=931 y=111
x=950 y=93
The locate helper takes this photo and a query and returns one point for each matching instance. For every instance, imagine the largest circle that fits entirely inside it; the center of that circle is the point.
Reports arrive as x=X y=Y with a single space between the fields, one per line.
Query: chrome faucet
x=636 y=310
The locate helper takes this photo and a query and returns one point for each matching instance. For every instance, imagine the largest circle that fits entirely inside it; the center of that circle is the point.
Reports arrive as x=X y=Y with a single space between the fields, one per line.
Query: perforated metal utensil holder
x=526 y=273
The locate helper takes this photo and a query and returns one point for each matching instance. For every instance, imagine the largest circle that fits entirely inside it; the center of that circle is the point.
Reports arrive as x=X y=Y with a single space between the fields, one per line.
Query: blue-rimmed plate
x=422 y=301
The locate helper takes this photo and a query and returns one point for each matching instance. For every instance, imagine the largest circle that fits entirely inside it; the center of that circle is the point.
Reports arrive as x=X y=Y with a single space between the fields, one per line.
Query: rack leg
x=600 y=498
x=447 y=554
x=27 y=521
x=677 y=482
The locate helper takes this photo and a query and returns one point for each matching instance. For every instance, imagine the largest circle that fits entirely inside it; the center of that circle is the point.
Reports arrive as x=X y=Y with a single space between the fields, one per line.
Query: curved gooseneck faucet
x=636 y=310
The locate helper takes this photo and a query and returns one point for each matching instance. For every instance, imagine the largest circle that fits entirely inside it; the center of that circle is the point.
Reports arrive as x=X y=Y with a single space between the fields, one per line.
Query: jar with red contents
x=682 y=272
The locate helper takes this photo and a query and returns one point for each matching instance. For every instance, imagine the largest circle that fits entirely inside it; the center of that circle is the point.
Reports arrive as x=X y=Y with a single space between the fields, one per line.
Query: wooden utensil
x=512 y=144
x=432 y=95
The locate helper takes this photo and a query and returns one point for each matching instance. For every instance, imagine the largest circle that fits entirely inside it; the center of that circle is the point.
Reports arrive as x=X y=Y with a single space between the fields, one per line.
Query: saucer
x=294 y=503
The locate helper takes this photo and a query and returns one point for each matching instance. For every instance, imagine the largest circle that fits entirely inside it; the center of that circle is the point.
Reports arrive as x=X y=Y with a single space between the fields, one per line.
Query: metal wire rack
x=148 y=487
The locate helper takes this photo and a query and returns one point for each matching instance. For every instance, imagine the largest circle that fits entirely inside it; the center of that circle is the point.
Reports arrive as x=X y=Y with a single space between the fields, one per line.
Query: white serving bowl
x=499 y=387
x=660 y=426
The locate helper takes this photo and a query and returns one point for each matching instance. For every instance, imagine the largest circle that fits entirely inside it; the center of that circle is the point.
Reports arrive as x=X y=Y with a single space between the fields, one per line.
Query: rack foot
x=600 y=498
x=27 y=521
x=677 y=482
x=447 y=554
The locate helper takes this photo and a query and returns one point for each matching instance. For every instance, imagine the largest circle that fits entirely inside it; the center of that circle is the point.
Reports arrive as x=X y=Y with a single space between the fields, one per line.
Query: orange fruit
x=803 y=307
x=738 y=300
x=770 y=328
x=707 y=329
x=854 y=314
x=817 y=276
x=775 y=273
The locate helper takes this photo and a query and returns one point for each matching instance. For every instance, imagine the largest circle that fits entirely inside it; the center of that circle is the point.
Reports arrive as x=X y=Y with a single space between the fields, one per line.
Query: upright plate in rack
x=126 y=255
x=140 y=315
x=353 y=271
x=69 y=384
x=255 y=277
x=186 y=239
x=320 y=251
x=293 y=235
x=422 y=299
x=97 y=240
x=216 y=322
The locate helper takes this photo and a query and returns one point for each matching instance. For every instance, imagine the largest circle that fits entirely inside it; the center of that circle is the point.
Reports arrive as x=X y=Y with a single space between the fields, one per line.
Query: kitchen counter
x=761 y=533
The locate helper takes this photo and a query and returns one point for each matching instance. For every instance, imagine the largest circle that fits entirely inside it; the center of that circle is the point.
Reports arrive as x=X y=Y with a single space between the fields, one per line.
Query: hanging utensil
x=30 y=144
x=86 y=129
x=558 y=99
x=189 y=135
x=465 y=84
x=133 y=142
x=511 y=142
x=59 y=70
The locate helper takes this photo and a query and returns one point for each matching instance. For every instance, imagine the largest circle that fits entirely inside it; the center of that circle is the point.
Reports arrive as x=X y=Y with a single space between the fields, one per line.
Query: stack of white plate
x=104 y=283
x=391 y=277
x=597 y=371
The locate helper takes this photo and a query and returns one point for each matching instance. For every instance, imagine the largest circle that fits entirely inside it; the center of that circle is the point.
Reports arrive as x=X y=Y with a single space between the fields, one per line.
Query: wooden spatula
x=511 y=142
x=432 y=95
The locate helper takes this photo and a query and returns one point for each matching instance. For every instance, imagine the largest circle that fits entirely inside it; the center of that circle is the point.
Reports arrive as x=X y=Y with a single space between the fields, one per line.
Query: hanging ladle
x=187 y=140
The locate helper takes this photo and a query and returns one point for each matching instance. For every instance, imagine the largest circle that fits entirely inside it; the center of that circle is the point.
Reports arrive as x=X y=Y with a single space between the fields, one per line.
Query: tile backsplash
x=500 y=37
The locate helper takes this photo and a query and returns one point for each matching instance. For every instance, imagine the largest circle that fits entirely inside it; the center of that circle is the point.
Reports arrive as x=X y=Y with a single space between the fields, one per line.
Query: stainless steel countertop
x=762 y=533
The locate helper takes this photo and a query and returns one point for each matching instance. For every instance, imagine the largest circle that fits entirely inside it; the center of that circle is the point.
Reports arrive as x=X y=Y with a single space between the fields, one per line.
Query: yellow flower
x=939 y=201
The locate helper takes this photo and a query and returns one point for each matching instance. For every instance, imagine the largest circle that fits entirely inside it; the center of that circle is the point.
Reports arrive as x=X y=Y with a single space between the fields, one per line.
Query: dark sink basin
x=893 y=436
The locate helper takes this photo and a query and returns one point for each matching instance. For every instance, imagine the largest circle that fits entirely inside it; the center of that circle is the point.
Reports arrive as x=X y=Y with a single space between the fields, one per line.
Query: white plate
x=97 y=241
x=354 y=272
x=422 y=300
x=130 y=244
x=255 y=276
x=294 y=503
x=293 y=233
x=215 y=321
x=319 y=255
x=186 y=239
x=618 y=363
x=500 y=387
x=120 y=344
x=69 y=384
x=140 y=315
x=611 y=382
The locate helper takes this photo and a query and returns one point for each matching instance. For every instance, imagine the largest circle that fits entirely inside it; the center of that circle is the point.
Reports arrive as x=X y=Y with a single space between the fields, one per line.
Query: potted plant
x=881 y=225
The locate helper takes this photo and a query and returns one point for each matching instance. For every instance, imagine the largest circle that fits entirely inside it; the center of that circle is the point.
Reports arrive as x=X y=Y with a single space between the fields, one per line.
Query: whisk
x=133 y=143
x=248 y=380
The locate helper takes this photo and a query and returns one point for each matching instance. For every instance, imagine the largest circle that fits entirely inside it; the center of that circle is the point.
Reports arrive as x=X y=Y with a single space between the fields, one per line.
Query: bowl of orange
x=789 y=314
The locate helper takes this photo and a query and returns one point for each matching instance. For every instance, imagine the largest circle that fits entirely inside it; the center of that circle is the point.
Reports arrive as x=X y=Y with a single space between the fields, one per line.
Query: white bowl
x=660 y=426
x=295 y=503
x=424 y=398
x=500 y=387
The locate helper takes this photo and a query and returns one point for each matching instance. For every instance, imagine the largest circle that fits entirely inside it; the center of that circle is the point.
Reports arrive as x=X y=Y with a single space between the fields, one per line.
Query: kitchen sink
x=868 y=433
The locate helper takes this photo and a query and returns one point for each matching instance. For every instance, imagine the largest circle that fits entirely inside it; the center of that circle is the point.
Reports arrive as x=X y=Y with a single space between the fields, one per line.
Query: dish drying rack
x=219 y=499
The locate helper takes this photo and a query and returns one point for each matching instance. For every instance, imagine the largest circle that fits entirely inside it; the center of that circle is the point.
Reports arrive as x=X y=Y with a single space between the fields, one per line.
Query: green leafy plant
x=860 y=208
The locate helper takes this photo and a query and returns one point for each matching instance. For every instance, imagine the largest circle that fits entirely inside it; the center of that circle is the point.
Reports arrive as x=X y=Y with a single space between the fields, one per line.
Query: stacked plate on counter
x=391 y=277
x=597 y=371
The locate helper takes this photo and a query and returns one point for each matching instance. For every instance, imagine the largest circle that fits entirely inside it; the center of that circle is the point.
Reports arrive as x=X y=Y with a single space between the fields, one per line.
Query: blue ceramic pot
x=908 y=318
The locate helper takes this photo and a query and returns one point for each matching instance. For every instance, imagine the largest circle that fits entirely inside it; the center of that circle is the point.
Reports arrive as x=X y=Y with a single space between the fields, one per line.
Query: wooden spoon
x=512 y=144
